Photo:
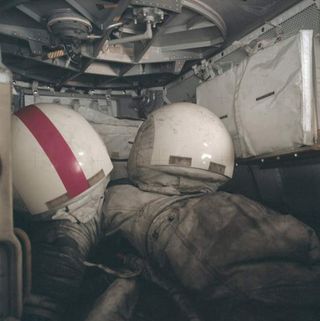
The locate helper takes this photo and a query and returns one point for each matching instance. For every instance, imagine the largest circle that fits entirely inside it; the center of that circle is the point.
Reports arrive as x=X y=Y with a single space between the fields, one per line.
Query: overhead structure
x=120 y=44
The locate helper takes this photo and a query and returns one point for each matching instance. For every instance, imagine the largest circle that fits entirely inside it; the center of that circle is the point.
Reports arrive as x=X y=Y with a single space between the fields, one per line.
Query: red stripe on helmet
x=56 y=148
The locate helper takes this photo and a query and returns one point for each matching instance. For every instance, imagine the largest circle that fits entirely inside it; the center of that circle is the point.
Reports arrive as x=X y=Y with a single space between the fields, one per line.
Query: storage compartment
x=267 y=101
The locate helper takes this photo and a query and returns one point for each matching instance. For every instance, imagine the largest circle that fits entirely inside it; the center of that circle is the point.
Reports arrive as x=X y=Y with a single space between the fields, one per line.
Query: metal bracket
x=170 y=5
x=204 y=71
x=35 y=88
x=35 y=91
x=147 y=35
x=278 y=28
x=108 y=98
x=165 y=96
x=178 y=65
x=75 y=104
x=35 y=47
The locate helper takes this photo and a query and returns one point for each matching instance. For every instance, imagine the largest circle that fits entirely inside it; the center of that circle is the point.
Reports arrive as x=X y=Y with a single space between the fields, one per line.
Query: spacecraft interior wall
x=267 y=101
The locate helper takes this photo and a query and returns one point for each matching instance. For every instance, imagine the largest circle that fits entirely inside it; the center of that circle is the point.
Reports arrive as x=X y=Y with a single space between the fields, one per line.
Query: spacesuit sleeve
x=59 y=249
x=117 y=303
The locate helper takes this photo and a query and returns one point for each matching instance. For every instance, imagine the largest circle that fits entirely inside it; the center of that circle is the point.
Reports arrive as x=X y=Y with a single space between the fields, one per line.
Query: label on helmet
x=96 y=178
x=217 y=168
x=180 y=161
x=62 y=199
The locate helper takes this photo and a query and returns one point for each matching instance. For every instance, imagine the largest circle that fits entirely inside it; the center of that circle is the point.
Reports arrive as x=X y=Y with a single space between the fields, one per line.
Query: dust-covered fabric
x=219 y=245
x=117 y=303
x=58 y=251
x=275 y=80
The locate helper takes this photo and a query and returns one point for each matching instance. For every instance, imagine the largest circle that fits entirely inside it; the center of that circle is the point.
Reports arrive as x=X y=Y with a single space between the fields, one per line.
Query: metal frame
x=112 y=18
x=29 y=34
x=203 y=9
x=258 y=32
x=10 y=246
x=75 y=4
x=151 y=54
x=265 y=28
x=170 y=5
x=8 y=4
x=147 y=35
x=30 y=13
x=145 y=49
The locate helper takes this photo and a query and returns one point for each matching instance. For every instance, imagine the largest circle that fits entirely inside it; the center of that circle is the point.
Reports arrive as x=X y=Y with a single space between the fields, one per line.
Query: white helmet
x=181 y=148
x=59 y=161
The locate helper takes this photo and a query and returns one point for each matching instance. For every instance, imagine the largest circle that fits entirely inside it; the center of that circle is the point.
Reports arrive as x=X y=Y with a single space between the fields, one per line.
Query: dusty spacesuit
x=60 y=171
x=224 y=250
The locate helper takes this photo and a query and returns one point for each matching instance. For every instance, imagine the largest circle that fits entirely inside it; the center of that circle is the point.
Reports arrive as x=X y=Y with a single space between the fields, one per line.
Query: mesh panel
x=308 y=18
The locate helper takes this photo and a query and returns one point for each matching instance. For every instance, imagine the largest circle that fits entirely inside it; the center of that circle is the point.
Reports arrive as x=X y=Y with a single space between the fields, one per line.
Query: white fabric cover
x=267 y=101
x=117 y=134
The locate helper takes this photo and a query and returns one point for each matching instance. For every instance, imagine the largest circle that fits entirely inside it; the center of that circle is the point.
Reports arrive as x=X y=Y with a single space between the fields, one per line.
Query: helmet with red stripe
x=59 y=162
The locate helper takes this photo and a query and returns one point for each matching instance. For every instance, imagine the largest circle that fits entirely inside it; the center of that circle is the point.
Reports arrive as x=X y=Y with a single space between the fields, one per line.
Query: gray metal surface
x=87 y=14
x=288 y=23
x=207 y=11
x=28 y=34
x=147 y=35
x=171 y=5
x=190 y=30
x=191 y=39
x=10 y=250
x=30 y=13
x=290 y=185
